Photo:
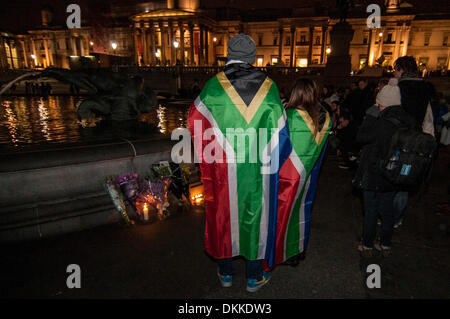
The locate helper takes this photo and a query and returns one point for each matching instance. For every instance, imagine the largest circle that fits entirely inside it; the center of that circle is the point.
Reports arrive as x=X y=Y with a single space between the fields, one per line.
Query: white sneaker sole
x=253 y=289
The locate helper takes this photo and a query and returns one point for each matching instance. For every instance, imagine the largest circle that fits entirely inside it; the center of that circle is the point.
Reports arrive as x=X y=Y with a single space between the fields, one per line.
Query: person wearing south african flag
x=256 y=179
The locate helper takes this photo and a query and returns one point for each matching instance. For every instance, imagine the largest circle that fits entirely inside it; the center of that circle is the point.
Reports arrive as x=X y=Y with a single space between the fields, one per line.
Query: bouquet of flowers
x=115 y=193
x=129 y=184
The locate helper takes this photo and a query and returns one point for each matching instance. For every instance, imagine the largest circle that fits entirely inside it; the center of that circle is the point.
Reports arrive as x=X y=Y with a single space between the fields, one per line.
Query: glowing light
x=274 y=60
x=380 y=34
x=114 y=45
x=259 y=62
x=91 y=43
x=328 y=50
x=145 y=211
x=196 y=193
x=303 y=63
x=176 y=44
x=214 y=39
x=158 y=53
x=33 y=56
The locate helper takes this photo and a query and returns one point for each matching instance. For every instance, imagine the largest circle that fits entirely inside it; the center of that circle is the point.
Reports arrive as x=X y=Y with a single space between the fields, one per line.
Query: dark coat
x=375 y=135
x=415 y=95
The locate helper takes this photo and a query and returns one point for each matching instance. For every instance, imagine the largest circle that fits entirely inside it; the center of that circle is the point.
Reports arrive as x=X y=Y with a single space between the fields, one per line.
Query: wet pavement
x=166 y=259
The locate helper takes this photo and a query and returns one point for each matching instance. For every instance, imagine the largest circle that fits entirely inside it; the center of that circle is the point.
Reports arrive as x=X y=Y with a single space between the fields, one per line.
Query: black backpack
x=409 y=158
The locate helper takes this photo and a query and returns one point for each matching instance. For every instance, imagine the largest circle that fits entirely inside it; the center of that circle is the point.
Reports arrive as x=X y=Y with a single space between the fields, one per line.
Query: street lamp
x=214 y=39
x=380 y=34
x=176 y=44
x=114 y=45
x=328 y=50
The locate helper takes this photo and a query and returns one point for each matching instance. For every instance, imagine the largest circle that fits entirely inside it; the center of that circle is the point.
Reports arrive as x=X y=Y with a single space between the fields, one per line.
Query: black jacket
x=246 y=79
x=415 y=95
x=375 y=135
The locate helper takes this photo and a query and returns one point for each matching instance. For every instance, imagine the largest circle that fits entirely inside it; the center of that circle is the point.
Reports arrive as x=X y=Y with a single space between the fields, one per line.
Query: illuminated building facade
x=184 y=32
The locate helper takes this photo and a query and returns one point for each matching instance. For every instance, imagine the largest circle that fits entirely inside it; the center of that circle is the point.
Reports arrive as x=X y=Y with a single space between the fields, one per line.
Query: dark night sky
x=20 y=15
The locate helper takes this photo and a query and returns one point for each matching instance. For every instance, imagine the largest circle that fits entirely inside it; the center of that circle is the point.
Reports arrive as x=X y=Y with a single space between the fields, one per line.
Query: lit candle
x=145 y=209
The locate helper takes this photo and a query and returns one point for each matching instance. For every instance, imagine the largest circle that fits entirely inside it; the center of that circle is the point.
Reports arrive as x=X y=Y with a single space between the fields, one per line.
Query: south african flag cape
x=298 y=182
x=241 y=185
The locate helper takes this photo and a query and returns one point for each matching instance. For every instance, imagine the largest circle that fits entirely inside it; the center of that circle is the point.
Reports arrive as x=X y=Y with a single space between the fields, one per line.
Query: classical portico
x=172 y=36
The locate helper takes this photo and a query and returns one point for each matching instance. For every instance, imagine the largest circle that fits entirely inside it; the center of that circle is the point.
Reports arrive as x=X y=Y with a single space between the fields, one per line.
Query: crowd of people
x=356 y=122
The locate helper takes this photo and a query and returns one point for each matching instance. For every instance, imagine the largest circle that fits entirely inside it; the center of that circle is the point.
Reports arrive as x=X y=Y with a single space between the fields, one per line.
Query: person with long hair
x=309 y=125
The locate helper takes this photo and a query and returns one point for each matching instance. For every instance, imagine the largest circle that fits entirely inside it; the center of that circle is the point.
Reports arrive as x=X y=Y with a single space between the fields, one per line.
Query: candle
x=145 y=210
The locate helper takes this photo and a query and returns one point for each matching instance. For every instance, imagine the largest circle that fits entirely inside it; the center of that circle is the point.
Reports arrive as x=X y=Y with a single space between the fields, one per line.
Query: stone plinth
x=337 y=70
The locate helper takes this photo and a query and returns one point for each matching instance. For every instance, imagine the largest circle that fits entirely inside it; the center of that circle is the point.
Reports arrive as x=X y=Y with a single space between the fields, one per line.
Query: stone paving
x=166 y=259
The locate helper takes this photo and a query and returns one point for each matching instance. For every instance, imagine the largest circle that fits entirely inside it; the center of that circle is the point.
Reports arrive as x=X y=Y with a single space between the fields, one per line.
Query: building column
x=144 y=46
x=225 y=43
x=369 y=46
x=201 y=53
x=151 y=44
x=398 y=35
x=82 y=53
x=171 y=46
x=181 y=26
x=25 y=55
x=322 y=48
x=47 y=58
x=380 y=44
x=207 y=46
x=163 y=43
x=35 y=60
x=191 y=43
x=280 y=44
x=74 y=46
x=406 y=31
x=291 y=55
x=311 y=33
x=136 y=47
x=373 y=36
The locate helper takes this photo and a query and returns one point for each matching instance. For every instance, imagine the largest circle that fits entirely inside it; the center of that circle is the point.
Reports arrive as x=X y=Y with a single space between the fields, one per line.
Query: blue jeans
x=254 y=268
x=400 y=202
x=376 y=204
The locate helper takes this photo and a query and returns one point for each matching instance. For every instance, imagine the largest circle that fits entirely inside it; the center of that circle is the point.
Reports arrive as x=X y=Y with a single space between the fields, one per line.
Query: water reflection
x=171 y=117
x=34 y=120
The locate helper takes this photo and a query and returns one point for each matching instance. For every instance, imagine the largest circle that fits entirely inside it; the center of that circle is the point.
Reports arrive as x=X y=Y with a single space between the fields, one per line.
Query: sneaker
x=366 y=252
x=352 y=158
x=253 y=284
x=225 y=280
x=398 y=224
x=385 y=250
x=343 y=166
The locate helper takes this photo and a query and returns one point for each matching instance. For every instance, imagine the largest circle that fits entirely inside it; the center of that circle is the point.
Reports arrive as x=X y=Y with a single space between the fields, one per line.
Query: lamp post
x=176 y=44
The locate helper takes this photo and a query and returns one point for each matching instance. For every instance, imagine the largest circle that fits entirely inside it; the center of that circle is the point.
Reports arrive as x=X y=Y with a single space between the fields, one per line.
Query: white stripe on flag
x=302 y=217
x=232 y=175
x=302 y=173
x=264 y=223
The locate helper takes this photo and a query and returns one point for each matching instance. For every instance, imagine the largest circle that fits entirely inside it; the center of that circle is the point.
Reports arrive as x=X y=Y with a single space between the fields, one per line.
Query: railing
x=312 y=70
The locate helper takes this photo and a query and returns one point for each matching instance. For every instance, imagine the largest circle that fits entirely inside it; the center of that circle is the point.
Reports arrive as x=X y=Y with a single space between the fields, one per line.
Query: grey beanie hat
x=242 y=47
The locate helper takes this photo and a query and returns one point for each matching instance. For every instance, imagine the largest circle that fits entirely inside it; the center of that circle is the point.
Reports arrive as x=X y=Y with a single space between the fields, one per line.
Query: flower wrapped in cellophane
x=129 y=184
x=116 y=195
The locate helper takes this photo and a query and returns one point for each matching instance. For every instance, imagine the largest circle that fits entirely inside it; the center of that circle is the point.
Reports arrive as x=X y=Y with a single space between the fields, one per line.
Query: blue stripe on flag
x=310 y=195
x=282 y=151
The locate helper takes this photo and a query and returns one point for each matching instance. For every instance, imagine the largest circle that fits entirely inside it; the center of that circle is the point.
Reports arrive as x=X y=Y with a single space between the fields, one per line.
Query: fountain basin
x=48 y=192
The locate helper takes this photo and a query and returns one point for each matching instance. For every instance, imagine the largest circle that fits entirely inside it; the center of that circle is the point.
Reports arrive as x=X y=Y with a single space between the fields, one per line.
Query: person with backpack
x=375 y=136
x=415 y=96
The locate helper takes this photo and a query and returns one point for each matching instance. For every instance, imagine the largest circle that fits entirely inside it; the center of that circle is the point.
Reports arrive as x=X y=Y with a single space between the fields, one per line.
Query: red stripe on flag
x=287 y=189
x=217 y=200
